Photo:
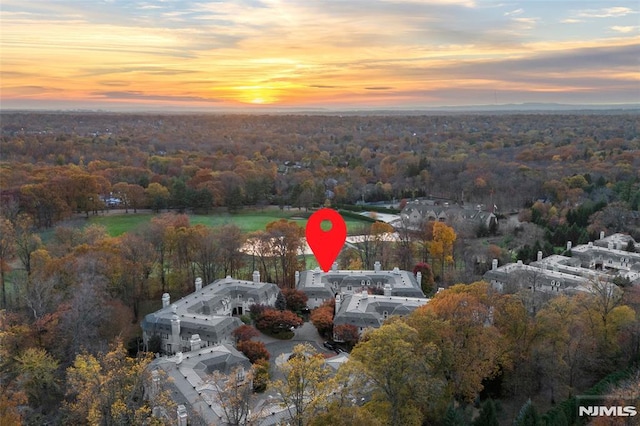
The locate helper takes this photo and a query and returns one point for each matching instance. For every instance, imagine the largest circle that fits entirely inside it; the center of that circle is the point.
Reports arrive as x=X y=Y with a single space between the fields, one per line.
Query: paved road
x=307 y=333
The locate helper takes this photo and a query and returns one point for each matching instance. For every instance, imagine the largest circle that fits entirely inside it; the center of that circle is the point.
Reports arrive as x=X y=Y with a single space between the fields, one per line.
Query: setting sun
x=360 y=54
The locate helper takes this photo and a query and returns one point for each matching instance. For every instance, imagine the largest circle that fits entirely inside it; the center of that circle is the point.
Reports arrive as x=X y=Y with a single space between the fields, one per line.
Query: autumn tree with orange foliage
x=244 y=333
x=441 y=246
x=296 y=299
x=253 y=350
x=322 y=317
x=347 y=333
x=459 y=322
x=285 y=238
x=274 y=321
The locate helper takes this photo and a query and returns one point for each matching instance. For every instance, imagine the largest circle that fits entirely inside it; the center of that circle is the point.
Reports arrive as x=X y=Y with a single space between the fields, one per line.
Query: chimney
x=166 y=300
x=396 y=270
x=228 y=279
x=419 y=277
x=195 y=342
x=568 y=245
x=387 y=289
x=494 y=264
x=520 y=262
x=155 y=383
x=198 y=284
x=175 y=331
x=602 y=235
x=377 y=266
x=338 y=302
x=334 y=266
x=256 y=277
x=539 y=255
x=297 y=278
x=182 y=415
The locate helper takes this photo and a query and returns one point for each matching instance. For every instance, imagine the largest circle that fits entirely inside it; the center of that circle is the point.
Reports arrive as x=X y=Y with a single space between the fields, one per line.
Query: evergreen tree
x=281 y=302
x=528 y=416
x=454 y=416
x=631 y=248
x=488 y=415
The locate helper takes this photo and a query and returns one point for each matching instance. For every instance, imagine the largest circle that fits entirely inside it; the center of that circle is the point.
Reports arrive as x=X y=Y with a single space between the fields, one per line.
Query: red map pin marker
x=326 y=245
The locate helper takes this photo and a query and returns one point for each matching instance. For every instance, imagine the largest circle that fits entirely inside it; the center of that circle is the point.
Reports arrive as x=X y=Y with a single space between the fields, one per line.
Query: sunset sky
x=346 y=54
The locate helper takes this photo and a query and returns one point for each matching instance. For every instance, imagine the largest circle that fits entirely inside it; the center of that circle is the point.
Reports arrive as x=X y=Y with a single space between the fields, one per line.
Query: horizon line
x=509 y=107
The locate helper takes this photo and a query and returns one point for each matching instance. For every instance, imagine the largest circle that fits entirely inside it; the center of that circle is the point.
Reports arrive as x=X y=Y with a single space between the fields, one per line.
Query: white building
x=364 y=310
x=320 y=286
x=205 y=317
x=602 y=260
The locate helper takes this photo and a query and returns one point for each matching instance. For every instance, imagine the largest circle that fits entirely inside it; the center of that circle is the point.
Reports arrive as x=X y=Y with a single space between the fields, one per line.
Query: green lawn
x=248 y=221
x=118 y=224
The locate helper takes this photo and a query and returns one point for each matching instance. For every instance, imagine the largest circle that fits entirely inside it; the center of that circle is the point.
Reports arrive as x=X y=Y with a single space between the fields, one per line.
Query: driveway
x=306 y=333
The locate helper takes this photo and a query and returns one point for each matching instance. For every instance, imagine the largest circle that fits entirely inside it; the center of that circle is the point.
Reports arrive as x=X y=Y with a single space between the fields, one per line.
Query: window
x=349 y=288
x=385 y=315
x=241 y=375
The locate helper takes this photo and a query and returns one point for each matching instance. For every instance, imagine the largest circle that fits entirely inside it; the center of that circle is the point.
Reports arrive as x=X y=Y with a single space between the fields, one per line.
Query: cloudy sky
x=338 y=54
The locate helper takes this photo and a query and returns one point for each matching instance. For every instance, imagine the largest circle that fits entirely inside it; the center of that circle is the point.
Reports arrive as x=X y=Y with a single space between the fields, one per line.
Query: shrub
x=274 y=321
x=253 y=350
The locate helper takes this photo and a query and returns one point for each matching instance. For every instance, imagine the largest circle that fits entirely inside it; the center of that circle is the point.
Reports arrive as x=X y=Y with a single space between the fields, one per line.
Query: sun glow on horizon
x=359 y=54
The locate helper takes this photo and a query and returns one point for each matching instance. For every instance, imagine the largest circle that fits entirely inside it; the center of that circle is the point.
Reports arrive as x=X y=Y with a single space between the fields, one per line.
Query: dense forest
x=54 y=163
x=73 y=294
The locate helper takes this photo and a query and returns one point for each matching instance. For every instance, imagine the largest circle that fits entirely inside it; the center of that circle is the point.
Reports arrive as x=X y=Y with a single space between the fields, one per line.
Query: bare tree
x=527 y=283
x=233 y=393
x=404 y=252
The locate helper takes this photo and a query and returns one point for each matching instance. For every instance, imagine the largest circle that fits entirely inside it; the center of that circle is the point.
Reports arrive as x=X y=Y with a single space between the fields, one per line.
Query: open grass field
x=249 y=221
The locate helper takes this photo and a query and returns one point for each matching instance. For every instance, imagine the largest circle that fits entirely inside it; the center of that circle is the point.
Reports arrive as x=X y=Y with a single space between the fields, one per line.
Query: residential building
x=416 y=213
x=320 y=286
x=188 y=377
x=599 y=261
x=364 y=310
x=206 y=317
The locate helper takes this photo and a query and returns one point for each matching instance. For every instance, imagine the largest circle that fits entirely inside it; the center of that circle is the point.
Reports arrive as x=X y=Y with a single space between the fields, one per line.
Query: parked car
x=329 y=345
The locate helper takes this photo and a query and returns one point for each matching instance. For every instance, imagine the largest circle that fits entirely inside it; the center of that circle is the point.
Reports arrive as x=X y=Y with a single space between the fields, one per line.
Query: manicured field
x=249 y=221
x=118 y=224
